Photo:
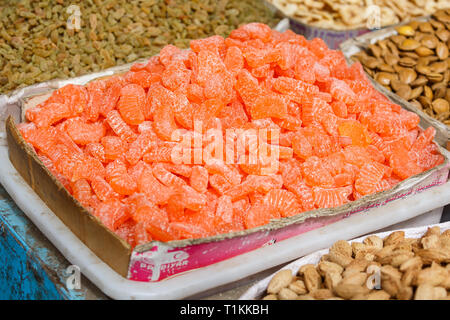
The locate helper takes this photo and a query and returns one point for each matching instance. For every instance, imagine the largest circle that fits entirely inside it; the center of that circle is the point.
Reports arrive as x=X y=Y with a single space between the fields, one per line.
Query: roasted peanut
x=303 y=268
x=424 y=292
x=446 y=282
x=394 y=238
x=397 y=257
x=358 y=265
x=348 y=291
x=409 y=277
x=430 y=242
x=368 y=255
x=357 y=278
x=444 y=242
x=405 y=245
x=322 y=294
x=270 y=297
x=439 y=293
x=332 y=279
x=342 y=247
x=436 y=230
x=327 y=267
x=390 y=279
x=438 y=255
x=358 y=247
x=411 y=263
x=298 y=287
x=405 y=293
x=286 y=294
x=313 y=280
x=340 y=258
x=390 y=286
x=360 y=296
x=374 y=241
x=280 y=280
x=386 y=251
x=434 y=275
x=378 y=295
x=390 y=272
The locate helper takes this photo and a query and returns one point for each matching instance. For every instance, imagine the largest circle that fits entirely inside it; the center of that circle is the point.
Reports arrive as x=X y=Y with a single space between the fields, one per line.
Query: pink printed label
x=163 y=261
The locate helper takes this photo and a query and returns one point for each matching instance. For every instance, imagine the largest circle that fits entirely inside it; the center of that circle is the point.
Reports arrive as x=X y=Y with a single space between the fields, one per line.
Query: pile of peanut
x=395 y=267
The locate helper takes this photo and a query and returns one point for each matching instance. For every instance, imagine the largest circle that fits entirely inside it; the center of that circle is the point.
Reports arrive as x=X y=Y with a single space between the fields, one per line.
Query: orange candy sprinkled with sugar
x=226 y=136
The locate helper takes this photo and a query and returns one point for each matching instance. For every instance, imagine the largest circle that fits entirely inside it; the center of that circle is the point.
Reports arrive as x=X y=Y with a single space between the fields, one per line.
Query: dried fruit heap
x=111 y=142
x=389 y=268
x=37 y=44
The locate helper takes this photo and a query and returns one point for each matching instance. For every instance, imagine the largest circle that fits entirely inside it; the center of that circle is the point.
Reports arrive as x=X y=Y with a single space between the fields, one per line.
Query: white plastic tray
x=258 y=289
x=206 y=278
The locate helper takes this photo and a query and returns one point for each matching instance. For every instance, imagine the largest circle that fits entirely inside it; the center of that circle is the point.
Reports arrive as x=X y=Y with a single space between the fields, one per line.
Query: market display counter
x=32 y=268
x=57 y=245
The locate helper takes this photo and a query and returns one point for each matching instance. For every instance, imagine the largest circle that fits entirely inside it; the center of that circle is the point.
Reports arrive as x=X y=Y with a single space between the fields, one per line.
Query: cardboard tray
x=352 y=46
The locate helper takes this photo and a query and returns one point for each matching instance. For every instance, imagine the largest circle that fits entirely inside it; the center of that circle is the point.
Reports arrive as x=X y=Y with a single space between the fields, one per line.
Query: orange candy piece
x=199 y=179
x=355 y=131
x=368 y=178
x=84 y=133
x=103 y=189
x=315 y=173
x=112 y=213
x=234 y=60
x=119 y=126
x=155 y=191
x=140 y=146
x=88 y=168
x=285 y=202
x=260 y=214
x=271 y=105
x=164 y=121
x=82 y=192
x=130 y=105
x=119 y=179
x=330 y=198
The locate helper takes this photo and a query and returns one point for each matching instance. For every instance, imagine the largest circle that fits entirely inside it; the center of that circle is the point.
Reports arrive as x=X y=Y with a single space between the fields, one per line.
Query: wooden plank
x=30 y=266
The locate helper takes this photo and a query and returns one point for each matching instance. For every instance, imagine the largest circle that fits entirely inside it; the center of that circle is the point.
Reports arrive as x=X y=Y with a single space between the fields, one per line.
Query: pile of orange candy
x=330 y=137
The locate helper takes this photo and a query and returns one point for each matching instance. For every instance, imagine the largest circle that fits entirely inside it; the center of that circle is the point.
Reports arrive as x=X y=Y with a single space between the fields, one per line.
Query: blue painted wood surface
x=30 y=266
